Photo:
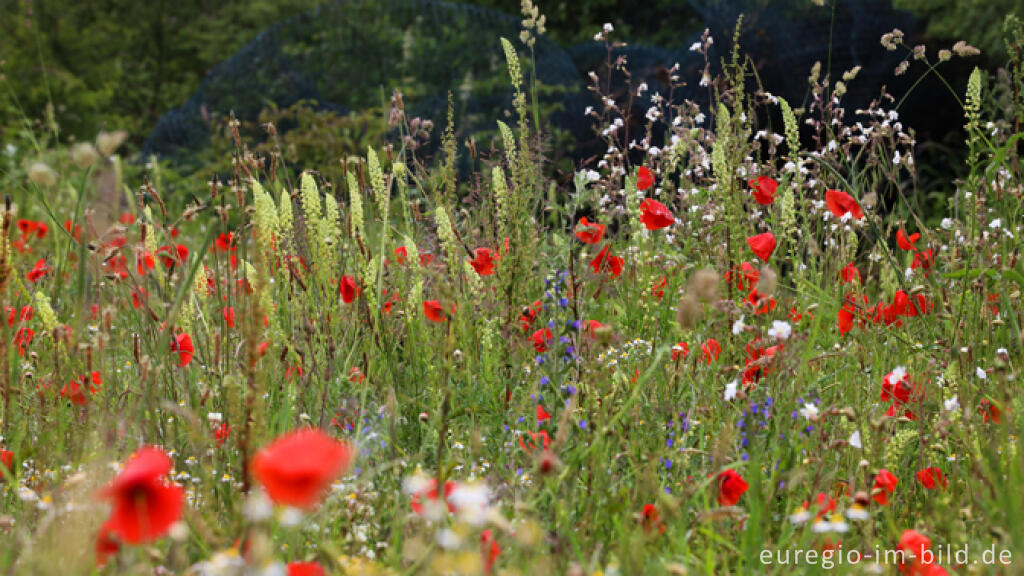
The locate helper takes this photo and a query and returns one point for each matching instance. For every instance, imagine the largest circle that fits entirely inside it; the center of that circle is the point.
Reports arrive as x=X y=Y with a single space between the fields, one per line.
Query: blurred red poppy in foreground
x=145 y=505
x=305 y=569
x=297 y=468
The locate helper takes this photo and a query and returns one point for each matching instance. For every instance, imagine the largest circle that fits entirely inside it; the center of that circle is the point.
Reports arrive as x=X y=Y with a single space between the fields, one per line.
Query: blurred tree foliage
x=978 y=22
x=118 y=64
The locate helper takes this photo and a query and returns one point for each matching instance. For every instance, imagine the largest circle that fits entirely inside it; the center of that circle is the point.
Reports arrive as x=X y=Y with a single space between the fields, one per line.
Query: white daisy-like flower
x=809 y=411
x=730 y=390
x=855 y=439
x=780 y=330
x=951 y=405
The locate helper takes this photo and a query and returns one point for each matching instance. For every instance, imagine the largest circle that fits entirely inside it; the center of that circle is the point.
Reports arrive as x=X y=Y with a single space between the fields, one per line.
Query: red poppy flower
x=483 y=261
x=145 y=505
x=730 y=487
x=589 y=232
x=850 y=274
x=75 y=390
x=401 y=255
x=932 y=478
x=990 y=411
x=592 y=326
x=649 y=519
x=530 y=314
x=542 y=415
x=655 y=215
x=538 y=441
x=898 y=388
x=349 y=289
x=489 y=550
x=229 y=316
x=924 y=260
x=22 y=338
x=297 y=468
x=144 y=262
x=657 y=288
x=428 y=493
x=434 y=312
x=604 y=262
x=75 y=231
x=644 y=178
x=763 y=188
x=885 y=484
x=172 y=255
x=540 y=339
x=680 y=351
x=182 y=344
x=744 y=278
x=762 y=303
x=759 y=362
x=22 y=317
x=6 y=462
x=917 y=559
x=38 y=271
x=710 y=351
x=305 y=569
x=842 y=204
x=127 y=218
x=763 y=245
x=906 y=242
x=107 y=544
x=221 y=433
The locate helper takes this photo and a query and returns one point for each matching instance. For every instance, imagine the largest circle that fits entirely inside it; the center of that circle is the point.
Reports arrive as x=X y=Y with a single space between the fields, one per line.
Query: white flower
x=780 y=330
x=951 y=405
x=448 y=539
x=997 y=223
x=470 y=501
x=593 y=175
x=738 y=327
x=608 y=28
x=695 y=47
x=809 y=411
x=855 y=439
x=215 y=417
x=258 y=506
x=980 y=373
x=730 y=390
x=290 y=516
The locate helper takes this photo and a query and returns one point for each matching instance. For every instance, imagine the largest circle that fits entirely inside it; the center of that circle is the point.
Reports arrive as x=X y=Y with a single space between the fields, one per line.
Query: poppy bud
x=547 y=462
x=424 y=417
x=861 y=498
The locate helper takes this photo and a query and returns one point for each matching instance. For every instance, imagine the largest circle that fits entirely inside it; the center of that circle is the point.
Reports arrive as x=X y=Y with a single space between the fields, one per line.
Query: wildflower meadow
x=743 y=338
